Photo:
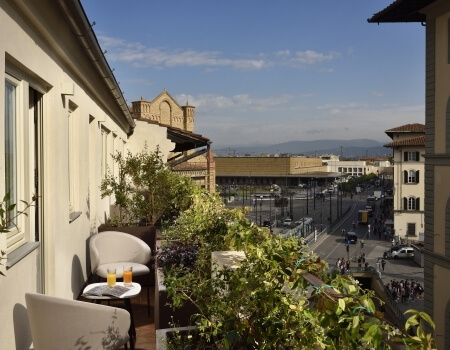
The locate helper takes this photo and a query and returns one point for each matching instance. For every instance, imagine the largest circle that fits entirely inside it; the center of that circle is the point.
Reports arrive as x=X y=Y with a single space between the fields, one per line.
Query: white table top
x=130 y=294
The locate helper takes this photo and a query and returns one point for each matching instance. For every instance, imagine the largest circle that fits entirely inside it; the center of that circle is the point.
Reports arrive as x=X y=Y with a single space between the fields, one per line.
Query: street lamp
x=337 y=204
x=314 y=194
x=307 y=197
x=331 y=221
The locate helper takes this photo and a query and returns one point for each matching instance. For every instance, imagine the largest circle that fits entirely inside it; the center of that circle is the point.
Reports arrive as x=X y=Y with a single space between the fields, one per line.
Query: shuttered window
x=411 y=156
x=411 y=203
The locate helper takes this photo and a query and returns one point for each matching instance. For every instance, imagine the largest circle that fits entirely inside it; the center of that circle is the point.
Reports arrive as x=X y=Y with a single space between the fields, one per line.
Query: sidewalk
x=395 y=269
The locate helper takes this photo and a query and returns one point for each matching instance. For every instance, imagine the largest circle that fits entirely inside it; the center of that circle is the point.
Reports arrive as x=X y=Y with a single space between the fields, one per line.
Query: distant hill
x=346 y=148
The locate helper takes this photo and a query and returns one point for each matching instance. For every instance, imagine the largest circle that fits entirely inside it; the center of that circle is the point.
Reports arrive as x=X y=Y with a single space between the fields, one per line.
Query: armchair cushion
x=115 y=249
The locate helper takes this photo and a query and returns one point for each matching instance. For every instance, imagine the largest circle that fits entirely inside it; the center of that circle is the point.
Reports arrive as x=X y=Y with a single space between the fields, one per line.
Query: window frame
x=411 y=156
x=22 y=232
x=411 y=203
x=408 y=229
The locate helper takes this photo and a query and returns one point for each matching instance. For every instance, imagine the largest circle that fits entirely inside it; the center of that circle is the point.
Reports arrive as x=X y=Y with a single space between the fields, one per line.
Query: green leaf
x=342 y=304
x=11 y=207
x=427 y=318
x=355 y=321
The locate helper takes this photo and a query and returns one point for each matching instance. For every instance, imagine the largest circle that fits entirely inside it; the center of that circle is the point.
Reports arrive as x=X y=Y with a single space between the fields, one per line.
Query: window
x=70 y=166
x=411 y=156
x=19 y=161
x=411 y=203
x=104 y=163
x=411 y=229
x=10 y=142
x=72 y=147
x=411 y=176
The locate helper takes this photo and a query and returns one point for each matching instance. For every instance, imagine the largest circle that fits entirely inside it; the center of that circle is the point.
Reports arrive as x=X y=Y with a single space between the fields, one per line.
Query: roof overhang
x=74 y=15
x=185 y=141
x=402 y=11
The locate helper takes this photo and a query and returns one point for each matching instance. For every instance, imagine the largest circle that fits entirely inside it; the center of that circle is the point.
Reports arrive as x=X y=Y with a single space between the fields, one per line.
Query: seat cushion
x=138 y=269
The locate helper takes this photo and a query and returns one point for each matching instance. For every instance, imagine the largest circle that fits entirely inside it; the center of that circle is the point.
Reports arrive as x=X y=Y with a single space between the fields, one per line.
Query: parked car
x=268 y=223
x=351 y=237
x=398 y=247
x=403 y=253
x=287 y=222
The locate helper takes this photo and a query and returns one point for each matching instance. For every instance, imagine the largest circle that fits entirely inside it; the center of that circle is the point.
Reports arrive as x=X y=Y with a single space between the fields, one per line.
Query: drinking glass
x=128 y=276
x=111 y=277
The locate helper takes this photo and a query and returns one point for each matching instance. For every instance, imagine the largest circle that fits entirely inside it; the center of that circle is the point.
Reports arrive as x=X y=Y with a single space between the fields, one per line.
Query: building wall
x=39 y=51
x=437 y=191
x=266 y=166
x=356 y=168
x=151 y=134
x=402 y=190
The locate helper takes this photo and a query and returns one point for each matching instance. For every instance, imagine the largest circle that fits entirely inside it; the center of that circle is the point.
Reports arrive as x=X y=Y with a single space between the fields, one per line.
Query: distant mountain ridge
x=345 y=148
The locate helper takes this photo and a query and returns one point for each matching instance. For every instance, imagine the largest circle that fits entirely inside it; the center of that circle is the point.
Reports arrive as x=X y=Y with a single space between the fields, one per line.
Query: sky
x=265 y=72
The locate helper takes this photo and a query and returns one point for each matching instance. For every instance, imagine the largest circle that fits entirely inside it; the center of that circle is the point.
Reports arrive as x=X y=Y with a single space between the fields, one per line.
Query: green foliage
x=8 y=216
x=279 y=297
x=351 y=185
x=145 y=189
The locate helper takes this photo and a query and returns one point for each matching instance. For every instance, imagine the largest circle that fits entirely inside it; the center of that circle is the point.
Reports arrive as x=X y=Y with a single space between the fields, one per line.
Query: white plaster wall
x=154 y=135
x=63 y=244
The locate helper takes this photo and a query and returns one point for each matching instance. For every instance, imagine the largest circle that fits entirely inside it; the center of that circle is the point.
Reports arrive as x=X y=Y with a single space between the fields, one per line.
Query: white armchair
x=58 y=323
x=116 y=249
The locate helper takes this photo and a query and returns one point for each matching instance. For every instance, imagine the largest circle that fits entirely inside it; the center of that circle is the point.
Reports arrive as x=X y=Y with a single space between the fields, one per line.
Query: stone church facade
x=192 y=155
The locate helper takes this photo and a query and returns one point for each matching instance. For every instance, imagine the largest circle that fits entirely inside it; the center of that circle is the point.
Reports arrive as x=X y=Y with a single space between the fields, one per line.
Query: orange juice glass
x=111 y=277
x=128 y=276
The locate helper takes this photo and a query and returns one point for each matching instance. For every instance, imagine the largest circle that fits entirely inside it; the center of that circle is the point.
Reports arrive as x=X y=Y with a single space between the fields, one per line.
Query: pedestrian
x=348 y=265
x=385 y=234
x=359 y=263
x=383 y=263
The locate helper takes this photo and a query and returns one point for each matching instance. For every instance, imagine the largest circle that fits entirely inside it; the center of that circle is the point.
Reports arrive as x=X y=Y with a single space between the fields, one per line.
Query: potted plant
x=8 y=215
x=279 y=296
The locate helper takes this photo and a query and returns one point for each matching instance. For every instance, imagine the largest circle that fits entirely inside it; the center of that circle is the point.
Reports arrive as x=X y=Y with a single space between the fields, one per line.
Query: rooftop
x=416 y=141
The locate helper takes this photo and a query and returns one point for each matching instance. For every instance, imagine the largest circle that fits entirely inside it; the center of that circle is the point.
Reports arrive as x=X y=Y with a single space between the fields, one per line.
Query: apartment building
x=408 y=148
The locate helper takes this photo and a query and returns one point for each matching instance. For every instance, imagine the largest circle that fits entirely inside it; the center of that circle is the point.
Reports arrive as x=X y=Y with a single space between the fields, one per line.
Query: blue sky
x=267 y=72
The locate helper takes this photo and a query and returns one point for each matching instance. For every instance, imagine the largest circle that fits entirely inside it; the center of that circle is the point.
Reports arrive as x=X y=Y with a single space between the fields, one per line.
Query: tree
x=145 y=189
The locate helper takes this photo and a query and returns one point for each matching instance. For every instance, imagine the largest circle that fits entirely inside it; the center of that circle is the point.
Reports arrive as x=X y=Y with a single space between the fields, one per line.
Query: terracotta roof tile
x=416 y=127
x=416 y=141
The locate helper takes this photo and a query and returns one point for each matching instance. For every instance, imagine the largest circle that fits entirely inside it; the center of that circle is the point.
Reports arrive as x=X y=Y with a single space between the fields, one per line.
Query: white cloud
x=141 y=56
x=210 y=102
x=312 y=57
